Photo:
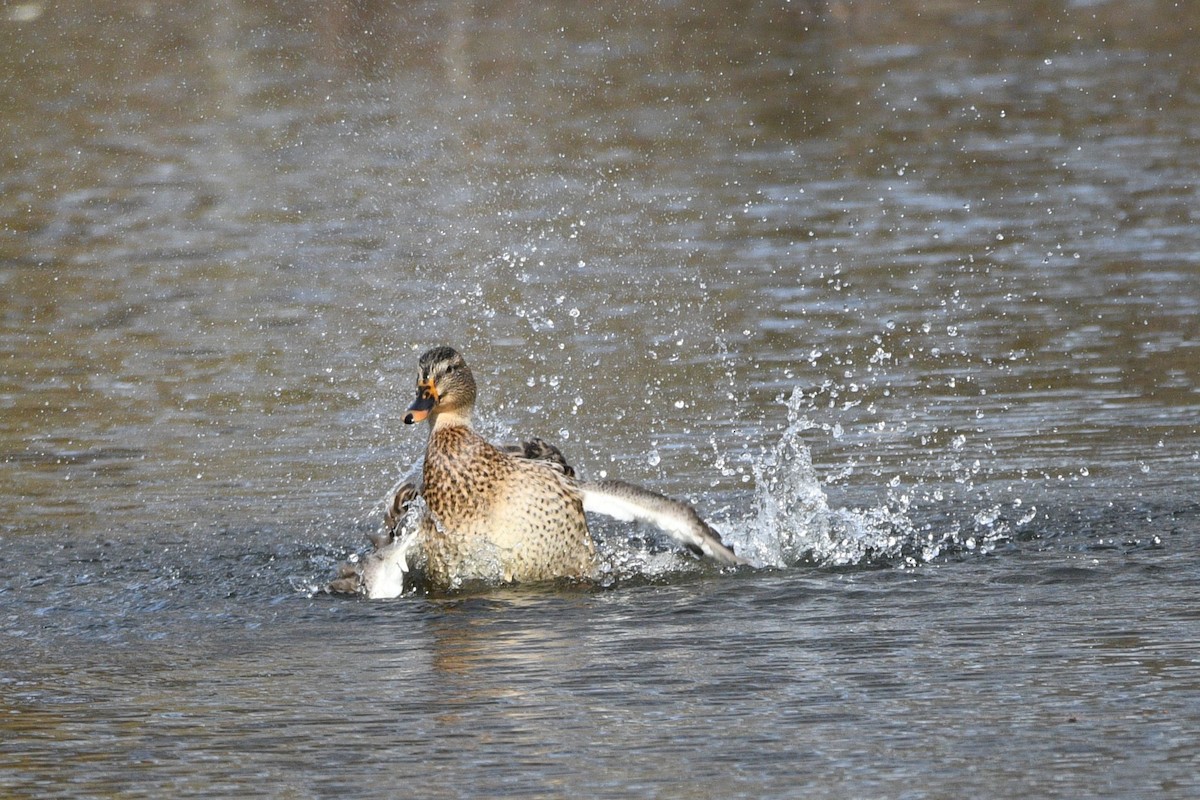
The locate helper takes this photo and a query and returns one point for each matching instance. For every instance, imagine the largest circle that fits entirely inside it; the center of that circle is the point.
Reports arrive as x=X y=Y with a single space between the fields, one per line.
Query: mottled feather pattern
x=521 y=514
x=495 y=514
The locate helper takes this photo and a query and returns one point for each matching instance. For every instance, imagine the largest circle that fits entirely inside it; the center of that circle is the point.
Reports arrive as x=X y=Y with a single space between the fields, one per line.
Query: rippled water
x=903 y=296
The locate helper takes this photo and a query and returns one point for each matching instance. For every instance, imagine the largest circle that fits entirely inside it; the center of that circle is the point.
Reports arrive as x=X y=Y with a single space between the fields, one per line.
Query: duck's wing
x=629 y=503
x=384 y=570
x=382 y=573
x=401 y=496
x=541 y=451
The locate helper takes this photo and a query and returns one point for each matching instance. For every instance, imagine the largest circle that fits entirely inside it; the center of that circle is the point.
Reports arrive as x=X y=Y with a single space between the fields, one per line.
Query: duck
x=500 y=514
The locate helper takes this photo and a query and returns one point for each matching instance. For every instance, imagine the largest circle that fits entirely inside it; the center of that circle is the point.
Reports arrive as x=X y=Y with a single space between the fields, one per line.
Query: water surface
x=903 y=297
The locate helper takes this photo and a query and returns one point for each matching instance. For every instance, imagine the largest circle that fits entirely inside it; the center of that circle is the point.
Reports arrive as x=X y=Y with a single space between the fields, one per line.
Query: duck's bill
x=420 y=409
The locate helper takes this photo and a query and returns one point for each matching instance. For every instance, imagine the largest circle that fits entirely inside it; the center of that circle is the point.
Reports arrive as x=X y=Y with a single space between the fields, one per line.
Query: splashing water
x=794 y=524
x=791 y=524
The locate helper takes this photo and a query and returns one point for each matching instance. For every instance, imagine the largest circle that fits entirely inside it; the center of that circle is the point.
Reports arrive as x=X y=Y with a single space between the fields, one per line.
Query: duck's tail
x=629 y=503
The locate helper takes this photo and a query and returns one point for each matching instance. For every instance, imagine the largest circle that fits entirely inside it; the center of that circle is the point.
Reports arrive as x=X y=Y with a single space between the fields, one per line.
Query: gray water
x=903 y=296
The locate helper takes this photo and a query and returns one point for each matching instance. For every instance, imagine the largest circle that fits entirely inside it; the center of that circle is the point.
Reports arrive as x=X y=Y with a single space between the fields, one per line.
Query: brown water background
x=947 y=250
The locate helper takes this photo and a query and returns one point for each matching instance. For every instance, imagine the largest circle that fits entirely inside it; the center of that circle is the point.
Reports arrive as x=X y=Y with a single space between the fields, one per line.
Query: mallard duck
x=502 y=514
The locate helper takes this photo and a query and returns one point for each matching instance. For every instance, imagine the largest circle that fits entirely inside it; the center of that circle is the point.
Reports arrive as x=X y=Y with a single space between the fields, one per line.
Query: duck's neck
x=451 y=418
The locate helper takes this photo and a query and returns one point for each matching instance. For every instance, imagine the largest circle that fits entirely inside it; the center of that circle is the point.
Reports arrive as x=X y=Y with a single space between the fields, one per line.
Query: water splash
x=793 y=522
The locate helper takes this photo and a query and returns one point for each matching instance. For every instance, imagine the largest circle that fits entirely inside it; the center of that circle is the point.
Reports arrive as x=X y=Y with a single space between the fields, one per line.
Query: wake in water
x=794 y=524
x=791 y=524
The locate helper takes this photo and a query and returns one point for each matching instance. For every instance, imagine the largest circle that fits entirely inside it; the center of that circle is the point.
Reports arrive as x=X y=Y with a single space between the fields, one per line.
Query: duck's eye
x=450 y=370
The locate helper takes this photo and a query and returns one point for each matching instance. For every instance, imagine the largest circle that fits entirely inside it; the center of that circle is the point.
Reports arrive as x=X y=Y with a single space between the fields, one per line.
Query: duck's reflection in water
x=502 y=666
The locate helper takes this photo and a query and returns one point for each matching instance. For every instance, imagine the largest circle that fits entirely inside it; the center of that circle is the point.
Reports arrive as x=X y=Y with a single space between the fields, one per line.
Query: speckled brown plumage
x=500 y=514
x=490 y=515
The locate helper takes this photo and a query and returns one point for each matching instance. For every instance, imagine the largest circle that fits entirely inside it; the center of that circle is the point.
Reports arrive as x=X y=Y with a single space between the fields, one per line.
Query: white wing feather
x=629 y=503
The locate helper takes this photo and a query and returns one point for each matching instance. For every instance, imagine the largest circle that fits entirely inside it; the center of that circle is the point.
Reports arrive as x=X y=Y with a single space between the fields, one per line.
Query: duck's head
x=444 y=384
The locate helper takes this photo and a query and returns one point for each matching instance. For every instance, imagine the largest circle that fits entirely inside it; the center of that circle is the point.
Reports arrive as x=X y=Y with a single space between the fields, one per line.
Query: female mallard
x=501 y=515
